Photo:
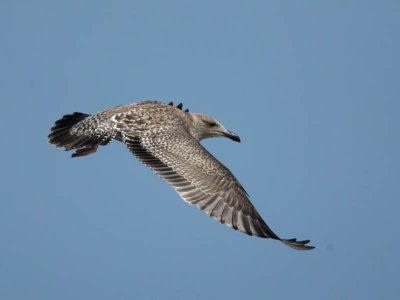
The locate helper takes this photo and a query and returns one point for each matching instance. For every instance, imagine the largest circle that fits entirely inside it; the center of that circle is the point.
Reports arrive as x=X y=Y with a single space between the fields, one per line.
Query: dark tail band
x=60 y=133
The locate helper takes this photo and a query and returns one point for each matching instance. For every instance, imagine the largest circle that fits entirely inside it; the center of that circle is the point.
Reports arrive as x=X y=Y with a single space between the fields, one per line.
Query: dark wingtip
x=179 y=106
x=298 y=245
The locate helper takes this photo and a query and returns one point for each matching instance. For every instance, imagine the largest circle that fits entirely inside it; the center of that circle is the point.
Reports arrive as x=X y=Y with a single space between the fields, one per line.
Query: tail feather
x=60 y=133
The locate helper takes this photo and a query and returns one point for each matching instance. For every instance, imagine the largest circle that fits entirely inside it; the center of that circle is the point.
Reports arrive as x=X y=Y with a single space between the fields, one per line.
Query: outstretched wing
x=200 y=179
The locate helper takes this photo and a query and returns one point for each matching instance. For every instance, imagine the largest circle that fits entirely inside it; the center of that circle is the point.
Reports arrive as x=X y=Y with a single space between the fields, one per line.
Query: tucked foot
x=85 y=151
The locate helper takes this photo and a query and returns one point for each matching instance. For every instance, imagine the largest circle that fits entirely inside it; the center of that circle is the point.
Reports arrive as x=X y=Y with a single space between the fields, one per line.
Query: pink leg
x=85 y=151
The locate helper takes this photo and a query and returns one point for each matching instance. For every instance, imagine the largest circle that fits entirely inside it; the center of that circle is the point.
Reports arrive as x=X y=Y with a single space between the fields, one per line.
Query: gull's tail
x=60 y=133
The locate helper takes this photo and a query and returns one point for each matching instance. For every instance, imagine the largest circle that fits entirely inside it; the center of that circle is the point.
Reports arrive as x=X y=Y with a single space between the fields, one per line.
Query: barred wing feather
x=201 y=180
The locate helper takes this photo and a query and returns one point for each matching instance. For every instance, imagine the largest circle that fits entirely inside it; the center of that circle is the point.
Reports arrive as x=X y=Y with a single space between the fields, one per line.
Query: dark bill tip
x=232 y=136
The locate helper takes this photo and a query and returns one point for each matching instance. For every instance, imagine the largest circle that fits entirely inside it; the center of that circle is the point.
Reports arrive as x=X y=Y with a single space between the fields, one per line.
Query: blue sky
x=311 y=87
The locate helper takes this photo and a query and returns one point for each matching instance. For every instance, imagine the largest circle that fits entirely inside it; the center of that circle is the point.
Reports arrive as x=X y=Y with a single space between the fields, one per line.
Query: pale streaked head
x=205 y=126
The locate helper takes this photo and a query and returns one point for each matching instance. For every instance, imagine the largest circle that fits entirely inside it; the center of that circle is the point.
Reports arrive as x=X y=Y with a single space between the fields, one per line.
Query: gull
x=167 y=139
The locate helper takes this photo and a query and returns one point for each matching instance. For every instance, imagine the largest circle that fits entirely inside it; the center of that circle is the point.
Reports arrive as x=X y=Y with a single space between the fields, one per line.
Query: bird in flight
x=166 y=139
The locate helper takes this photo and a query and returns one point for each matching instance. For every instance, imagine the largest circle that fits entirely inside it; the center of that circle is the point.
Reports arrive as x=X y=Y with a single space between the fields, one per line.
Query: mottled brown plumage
x=166 y=139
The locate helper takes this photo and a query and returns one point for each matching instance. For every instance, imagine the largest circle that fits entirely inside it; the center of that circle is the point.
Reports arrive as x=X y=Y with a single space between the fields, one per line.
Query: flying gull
x=166 y=139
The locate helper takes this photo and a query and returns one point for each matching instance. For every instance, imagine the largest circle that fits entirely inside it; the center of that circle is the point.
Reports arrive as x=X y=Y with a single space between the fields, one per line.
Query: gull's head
x=205 y=126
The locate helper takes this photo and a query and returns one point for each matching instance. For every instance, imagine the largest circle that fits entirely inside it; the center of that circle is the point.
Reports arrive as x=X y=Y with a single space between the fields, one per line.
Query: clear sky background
x=312 y=88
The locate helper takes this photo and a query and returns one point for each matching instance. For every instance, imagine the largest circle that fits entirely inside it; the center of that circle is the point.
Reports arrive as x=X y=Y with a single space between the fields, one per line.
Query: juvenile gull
x=166 y=139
